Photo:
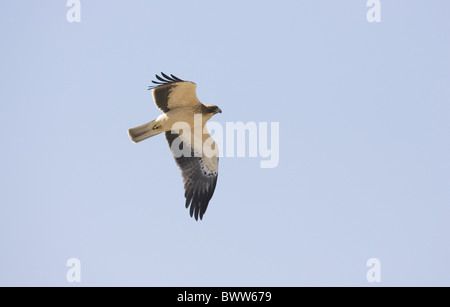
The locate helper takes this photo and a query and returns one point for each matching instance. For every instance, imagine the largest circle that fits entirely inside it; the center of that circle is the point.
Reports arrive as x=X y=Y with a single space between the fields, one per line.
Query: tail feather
x=143 y=132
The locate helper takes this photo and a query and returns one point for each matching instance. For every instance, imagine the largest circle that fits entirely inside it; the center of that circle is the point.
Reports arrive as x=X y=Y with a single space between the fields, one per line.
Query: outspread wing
x=170 y=92
x=199 y=173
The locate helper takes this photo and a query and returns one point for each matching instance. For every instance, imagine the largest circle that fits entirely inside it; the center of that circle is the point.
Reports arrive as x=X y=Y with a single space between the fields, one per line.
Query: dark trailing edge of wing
x=165 y=79
x=199 y=188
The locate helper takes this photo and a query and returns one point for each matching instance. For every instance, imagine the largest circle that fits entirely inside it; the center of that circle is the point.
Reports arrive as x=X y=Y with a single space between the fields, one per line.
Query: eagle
x=178 y=101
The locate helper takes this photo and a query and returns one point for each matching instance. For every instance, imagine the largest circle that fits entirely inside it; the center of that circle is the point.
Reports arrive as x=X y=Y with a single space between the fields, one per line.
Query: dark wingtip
x=188 y=198
x=160 y=79
x=191 y=210
x=176 y=78
x=197 y=209
x=165 y=79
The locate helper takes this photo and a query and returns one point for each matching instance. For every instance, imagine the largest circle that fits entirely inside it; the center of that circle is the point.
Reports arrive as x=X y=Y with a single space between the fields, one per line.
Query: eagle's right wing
x=171 y=92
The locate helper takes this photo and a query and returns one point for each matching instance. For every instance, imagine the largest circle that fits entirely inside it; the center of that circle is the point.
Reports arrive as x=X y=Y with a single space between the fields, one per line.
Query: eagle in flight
x=178 y=101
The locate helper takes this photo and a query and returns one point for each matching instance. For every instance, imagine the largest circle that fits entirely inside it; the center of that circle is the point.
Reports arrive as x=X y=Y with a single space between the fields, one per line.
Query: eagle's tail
x=145 y=131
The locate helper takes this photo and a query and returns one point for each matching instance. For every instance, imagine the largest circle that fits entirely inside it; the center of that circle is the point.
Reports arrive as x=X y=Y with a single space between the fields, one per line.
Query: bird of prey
x=178 y=101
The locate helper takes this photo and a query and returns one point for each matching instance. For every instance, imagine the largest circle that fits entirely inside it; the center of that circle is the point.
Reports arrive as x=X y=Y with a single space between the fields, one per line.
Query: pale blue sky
x=364 y=143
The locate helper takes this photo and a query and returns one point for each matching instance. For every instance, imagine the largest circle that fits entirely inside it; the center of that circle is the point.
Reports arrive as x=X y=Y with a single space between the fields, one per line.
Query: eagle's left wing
x=170 y=92
x=199 y=174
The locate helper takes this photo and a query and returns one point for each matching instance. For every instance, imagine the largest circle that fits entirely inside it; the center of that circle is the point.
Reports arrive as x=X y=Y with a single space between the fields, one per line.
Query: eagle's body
x=179 y=102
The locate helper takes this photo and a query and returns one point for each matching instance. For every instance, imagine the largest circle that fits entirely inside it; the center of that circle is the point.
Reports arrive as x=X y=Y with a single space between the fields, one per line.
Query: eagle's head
x=211 y=109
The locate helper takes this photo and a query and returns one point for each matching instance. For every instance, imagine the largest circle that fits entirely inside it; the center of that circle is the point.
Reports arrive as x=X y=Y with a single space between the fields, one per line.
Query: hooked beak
x=219 y=110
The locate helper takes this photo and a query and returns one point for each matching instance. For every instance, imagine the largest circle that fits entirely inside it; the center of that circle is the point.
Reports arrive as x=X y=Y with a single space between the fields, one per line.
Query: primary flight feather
x=181 y=108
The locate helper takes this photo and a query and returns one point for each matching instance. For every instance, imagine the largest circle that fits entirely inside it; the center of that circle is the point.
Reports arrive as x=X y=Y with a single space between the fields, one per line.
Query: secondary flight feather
x=178 y=101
